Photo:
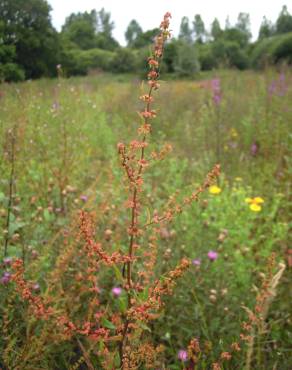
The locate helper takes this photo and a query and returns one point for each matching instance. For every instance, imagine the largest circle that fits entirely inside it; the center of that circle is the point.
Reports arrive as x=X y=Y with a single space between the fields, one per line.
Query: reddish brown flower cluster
x=164 y=286
x=37 y=305
x=193 y=351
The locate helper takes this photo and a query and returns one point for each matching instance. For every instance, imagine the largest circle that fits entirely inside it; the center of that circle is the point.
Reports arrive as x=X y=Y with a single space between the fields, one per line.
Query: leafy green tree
x=185 y=32
x=199 y=29
x=284 y=21
x=243 y=25
x=235 y=35
x=124 y=61
x=90 y=30
x=170 y=55
x=133 y=31
x=9 y=70
x=145 y=38
x=227 y=23
x=26 y=27
x=266 y=29
x=229 y=54
x=216 y=30
x=80 y=29
x=105 y=28
x=186 y=63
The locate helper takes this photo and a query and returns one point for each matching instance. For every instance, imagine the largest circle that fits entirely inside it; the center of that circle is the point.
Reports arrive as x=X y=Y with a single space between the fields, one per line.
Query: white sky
x=148 y=13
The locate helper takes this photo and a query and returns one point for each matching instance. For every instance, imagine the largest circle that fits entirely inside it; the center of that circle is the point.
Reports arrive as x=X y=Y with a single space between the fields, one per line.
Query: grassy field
x=58 y=141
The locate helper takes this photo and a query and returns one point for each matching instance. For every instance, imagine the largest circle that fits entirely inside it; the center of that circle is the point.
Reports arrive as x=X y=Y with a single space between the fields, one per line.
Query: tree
x=266 y=29
x=185 y=32
x=26 y=27
x=9 y=70
x=90 y=30
x=284 y=21
x=199 y=29
x=133 y=31
x=145 y=38
x=186 y=62
x=227 y=23
x=80 y=29
x=216 y=31
x=243 y=25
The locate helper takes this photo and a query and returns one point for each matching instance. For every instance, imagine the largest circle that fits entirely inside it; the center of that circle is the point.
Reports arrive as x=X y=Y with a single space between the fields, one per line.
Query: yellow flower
x=233 y=133
x=255 y=207
x=258 y=200
x=239 y=179
x=214 y=189
x=254 y=203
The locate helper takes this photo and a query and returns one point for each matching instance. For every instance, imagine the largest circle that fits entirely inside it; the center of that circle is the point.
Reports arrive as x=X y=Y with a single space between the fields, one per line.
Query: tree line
x=31 y=48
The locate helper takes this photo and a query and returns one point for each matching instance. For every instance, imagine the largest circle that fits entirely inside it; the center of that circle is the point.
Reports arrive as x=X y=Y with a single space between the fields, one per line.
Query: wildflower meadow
x=144 y=223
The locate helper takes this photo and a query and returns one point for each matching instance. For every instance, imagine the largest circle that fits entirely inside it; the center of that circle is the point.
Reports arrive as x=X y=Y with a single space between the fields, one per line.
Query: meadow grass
x=60 y=137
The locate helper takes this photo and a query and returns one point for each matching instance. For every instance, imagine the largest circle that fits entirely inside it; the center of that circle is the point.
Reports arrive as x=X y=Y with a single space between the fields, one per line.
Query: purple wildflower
x=117 y=291
x=216 y=89
x=278 y=87
x=212 y=255
x=84 y=198
x=254 y=148
x=7 y=261
x=196 y=262
x=36 y=287
x=55 y=106
x=182 y=355
x=5 y=278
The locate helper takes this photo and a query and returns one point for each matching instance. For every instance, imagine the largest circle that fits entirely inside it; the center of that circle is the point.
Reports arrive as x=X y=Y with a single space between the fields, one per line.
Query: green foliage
x=185 y=31
x=266 y=29
x=284 y=21
x=124 y=61
x=133 y=31
x=90 y=30
x=272 y=50
x=199 y=28
x=26 y=26
x=216 y=30
x=11 y=72
x=229 y=54
x=80 y=62
x=186 y=62
x=144 y=39
x=68 y=131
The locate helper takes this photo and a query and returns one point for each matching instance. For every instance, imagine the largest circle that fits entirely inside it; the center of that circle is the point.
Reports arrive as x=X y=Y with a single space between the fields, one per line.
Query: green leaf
x=118 y=273
x=47 y=216
x=107 y=324
x=15 y=226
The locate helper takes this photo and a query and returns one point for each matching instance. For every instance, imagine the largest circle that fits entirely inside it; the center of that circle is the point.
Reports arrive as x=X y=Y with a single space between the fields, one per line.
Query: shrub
x=272 y=50
x=124 y=61
x=186 y=62
x=80 y=62
x=11 y=72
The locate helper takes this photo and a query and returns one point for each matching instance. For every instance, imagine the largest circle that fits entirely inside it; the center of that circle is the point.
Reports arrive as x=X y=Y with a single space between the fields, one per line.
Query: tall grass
x=93 y=248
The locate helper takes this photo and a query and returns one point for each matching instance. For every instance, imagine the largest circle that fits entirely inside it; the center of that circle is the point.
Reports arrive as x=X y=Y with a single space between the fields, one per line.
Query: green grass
x=66 y=135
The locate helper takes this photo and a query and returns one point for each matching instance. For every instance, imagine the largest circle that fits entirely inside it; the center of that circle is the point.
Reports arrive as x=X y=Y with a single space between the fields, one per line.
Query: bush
x=11 y=72
x=186 y=62
x=80 y=62
x=229 y=54
x=272 y=50
x=206 y=58
x=124 y=61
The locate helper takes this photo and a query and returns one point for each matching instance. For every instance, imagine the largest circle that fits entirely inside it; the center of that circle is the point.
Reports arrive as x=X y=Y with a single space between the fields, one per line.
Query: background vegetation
x=64 y=134
x=30 y=47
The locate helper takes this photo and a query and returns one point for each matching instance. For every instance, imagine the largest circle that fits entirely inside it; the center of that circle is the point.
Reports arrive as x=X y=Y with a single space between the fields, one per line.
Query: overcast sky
x=149 y=12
